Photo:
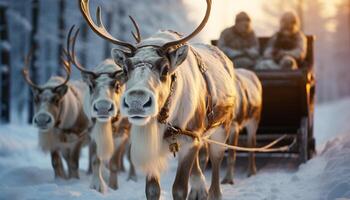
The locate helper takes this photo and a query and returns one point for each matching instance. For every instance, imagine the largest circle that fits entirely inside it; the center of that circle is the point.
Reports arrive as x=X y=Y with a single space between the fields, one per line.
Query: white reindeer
x=59 y=116
x=110 y=131
x=247 y=115
x=248 y=112
x=175 y=94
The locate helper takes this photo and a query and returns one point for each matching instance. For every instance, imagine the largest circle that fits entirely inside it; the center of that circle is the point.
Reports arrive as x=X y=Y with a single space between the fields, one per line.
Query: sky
x=223 y=14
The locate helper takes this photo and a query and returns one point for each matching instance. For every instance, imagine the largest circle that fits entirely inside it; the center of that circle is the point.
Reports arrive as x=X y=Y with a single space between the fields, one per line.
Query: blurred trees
x=5 y=67
x=43 y=27
x=34 y=46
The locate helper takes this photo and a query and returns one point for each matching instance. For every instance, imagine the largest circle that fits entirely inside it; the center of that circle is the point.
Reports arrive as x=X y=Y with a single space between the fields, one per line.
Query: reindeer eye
x=92 y=86
x=55 y=100
x=117 y=87
x=36 y=99
x=164 y=72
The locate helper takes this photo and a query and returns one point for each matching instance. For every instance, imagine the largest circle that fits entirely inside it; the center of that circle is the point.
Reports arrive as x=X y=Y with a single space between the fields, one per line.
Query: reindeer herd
x=158 y=97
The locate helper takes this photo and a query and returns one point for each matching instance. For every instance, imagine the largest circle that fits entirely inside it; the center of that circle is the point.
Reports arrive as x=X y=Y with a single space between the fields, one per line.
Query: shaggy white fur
x=147 y=149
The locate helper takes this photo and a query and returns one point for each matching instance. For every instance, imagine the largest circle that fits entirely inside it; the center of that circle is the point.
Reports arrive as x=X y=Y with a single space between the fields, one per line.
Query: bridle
x=162 y=50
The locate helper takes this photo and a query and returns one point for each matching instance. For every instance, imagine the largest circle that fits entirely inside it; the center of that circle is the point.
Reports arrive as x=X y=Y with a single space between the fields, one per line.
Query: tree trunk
x=84 y=35
x=34 y=46
x=61 y=32
x=5 y=67
x=109 y=20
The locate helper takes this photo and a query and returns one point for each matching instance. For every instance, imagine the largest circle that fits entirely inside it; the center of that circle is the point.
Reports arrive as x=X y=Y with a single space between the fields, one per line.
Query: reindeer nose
x=137 y=101
x=42 y=120
x=103 y=107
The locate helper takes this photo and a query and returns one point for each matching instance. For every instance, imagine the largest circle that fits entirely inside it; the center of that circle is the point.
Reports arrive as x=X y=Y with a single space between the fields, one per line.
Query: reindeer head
x=47 y=97
x=148 y=67
x=105 y=84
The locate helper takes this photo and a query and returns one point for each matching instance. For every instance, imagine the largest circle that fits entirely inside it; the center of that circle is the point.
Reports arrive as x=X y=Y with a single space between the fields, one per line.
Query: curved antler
x=99 y=28
x=67 y=69
x=136 y=36
x=181 y=41
x=25 y=72
x=70 y=52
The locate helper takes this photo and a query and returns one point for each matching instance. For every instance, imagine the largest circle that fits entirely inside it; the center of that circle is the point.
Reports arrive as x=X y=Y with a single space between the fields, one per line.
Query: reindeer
x=247 y=115
x=110 y=132
x=175 y=94
x=248 y=112
x=60 y=119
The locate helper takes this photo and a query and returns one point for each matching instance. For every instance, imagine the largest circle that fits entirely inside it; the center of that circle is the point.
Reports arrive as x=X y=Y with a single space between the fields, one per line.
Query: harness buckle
x=174 y=145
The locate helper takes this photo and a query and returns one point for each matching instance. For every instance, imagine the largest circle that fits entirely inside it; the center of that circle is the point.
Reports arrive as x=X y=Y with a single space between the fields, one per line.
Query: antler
x=25 y=72
x=67 y=68
x=99 y=28
x=71 y=51
x=136 y=36
x=181 y=41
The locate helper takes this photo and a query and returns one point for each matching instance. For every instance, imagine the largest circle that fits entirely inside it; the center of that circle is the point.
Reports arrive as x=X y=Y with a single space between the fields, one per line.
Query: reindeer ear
x=35 y=91
x=61 y=91
x=178 y=56
x=119 y=56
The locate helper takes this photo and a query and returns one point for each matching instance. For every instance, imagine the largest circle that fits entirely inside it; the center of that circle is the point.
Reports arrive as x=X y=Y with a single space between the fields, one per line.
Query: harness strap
x=203 y=68
x=173 y=131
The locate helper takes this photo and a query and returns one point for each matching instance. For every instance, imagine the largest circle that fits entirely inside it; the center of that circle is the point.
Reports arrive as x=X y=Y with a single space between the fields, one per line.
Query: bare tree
x=61 y=33
x=107 y=48
x=5 y=67
x=34 y=45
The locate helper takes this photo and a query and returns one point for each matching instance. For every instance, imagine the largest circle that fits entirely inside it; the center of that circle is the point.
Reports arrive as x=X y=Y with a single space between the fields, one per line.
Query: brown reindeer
x=60 y=119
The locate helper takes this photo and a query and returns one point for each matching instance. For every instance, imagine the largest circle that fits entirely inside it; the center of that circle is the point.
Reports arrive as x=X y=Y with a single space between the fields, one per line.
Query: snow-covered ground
x=26 y=173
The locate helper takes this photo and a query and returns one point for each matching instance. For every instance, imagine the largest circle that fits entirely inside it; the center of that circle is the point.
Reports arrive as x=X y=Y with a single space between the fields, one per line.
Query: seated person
x=287 y=47
x=239 y=42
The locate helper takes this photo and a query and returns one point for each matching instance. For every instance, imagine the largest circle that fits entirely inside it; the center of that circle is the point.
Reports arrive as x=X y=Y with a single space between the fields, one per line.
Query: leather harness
x=172 y=131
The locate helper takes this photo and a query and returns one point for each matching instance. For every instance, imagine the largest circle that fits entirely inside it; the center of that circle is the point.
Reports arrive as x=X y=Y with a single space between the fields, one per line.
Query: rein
x=171 y=132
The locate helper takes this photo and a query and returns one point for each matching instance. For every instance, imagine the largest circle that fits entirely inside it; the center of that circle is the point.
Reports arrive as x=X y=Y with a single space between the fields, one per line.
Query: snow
x=26 y=173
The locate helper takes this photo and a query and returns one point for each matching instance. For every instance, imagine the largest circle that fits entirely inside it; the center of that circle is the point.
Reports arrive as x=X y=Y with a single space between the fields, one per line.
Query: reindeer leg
x=204 y=156
x=132 y=171
x=252 y=127
x=187 y=156
x=57 y=165
x=113 y=168
x=91 y=152
x=73 y=161
x=97 y=181
x=231 y=157
x=121 y=165
x=152 y=188
x=198 y=187
x=216 y=155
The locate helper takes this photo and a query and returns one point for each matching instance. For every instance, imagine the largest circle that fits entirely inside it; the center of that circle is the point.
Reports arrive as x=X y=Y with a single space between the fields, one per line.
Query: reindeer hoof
x=113 y=184
x=214 y=196
x=252 y=173
x=227 y=181
x=74 y=175
x=132 y=177
x=201 y=194
x=99 y=185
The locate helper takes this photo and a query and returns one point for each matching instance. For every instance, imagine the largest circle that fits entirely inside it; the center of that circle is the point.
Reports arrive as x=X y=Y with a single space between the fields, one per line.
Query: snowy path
x=25 y=172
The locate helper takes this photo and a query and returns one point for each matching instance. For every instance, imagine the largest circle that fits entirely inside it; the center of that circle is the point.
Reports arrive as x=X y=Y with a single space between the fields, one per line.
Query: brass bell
x=174 y=148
